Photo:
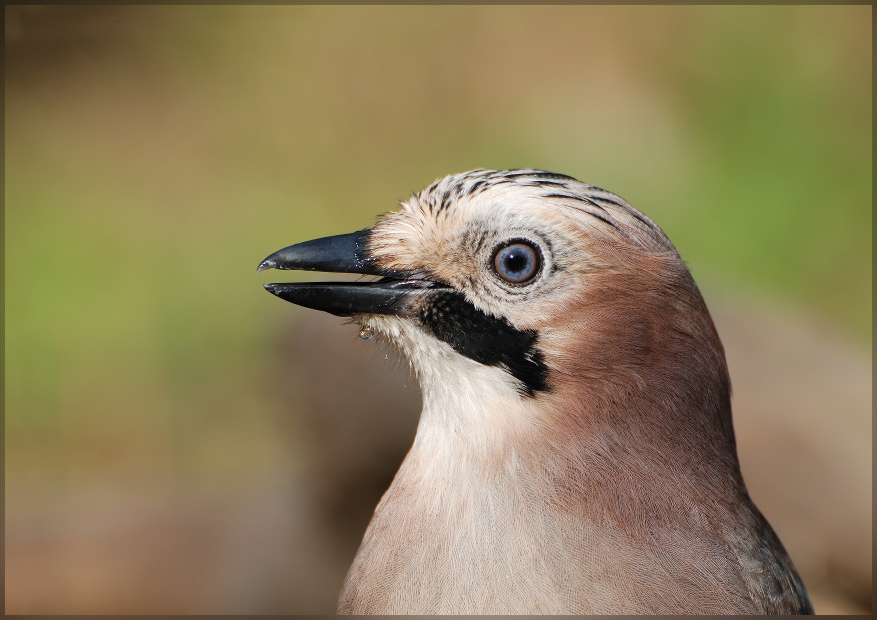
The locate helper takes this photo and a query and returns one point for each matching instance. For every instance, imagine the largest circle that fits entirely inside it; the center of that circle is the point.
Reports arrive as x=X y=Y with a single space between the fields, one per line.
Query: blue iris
x=517 y=262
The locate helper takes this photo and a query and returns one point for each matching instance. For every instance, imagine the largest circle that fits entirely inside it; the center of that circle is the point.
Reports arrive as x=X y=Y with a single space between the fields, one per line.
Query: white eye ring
x=517 y=261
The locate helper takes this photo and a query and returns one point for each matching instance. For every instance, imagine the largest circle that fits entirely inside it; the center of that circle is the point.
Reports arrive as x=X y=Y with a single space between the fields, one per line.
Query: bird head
x=524 y=294
x=576 y=428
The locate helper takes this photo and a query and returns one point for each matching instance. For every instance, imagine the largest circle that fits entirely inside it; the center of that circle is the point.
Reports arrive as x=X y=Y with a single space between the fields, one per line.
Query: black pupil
x=516 y=263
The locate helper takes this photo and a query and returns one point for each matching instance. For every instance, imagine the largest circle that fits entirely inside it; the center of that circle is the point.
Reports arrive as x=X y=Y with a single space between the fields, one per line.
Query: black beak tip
x=341 y=253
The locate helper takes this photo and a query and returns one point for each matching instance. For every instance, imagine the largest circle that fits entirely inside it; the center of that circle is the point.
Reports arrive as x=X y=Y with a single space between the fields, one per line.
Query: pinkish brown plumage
x=575 y=452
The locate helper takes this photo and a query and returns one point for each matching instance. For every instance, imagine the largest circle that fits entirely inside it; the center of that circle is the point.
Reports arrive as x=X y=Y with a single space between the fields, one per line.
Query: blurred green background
x=154 y=155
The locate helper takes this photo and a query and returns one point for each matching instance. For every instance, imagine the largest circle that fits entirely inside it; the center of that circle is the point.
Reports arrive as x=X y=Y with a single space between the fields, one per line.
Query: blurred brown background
x=179 y=441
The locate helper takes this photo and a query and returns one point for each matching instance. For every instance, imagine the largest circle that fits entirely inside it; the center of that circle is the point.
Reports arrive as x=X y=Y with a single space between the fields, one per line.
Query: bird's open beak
x=393 y=294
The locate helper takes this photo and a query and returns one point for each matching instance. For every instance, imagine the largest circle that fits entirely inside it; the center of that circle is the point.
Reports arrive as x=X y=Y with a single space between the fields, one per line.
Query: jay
x=575 y=453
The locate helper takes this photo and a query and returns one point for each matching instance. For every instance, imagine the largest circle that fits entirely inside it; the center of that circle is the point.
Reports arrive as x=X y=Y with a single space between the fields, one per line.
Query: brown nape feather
x=642 y=443
x=575 y=453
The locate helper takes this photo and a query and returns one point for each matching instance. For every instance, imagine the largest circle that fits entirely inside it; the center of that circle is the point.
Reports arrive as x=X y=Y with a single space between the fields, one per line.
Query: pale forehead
x=474 y=186
x=459 y=203
x=530 y=197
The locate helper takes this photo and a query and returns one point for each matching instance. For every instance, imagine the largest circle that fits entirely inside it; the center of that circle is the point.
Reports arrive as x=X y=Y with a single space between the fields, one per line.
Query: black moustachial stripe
x=487 y=339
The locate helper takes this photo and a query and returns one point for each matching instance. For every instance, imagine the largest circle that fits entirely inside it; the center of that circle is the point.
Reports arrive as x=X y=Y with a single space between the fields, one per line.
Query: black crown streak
x=487 y=339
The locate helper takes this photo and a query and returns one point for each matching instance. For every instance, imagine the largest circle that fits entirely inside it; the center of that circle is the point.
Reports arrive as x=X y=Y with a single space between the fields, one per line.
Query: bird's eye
x=517 y=262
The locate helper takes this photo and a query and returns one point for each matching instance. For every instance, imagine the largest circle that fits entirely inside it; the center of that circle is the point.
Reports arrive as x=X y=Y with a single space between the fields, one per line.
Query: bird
x=575 y=453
